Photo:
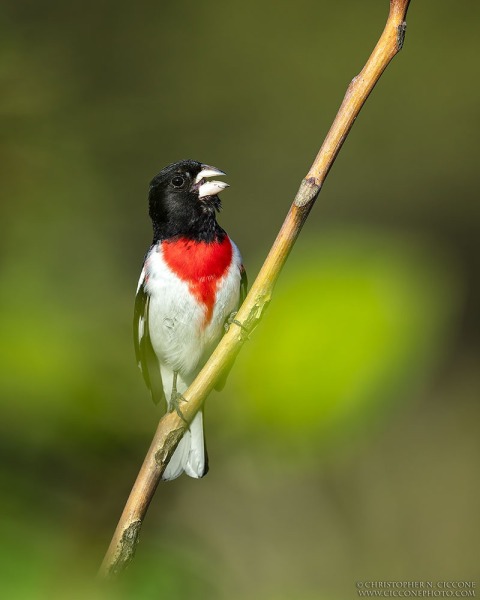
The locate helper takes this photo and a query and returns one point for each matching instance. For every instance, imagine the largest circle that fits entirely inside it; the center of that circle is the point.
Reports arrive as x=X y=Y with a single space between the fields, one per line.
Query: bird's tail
x=190 y=455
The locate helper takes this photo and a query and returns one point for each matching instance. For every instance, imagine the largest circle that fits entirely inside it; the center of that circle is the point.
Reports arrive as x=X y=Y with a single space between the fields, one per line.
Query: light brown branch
x=171 y=427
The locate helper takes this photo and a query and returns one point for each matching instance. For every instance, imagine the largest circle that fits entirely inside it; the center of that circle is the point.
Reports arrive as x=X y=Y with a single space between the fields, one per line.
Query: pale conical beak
x=209 y=188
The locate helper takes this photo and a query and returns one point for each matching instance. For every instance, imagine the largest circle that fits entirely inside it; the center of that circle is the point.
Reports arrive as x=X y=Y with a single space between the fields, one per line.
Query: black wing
x=146 y=357
x=243 y=286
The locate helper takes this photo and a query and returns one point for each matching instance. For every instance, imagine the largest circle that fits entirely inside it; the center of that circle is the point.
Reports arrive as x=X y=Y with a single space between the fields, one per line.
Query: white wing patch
x=141 y=325
x=140 y=281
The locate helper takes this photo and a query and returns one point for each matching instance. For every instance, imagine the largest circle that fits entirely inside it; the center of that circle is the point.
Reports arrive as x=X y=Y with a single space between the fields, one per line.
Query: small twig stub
x=401 y=30
x=128 y=545
x=307 y=193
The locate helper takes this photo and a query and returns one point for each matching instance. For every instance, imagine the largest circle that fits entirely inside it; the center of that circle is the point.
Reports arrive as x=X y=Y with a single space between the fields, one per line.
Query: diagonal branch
x=171 y=427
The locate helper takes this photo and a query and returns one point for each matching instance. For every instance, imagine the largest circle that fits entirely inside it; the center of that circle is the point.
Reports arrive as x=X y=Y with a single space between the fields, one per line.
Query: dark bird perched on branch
x=191 y=282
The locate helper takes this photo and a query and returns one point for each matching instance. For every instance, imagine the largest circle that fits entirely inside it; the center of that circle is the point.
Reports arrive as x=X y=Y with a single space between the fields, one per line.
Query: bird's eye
x=178 y=181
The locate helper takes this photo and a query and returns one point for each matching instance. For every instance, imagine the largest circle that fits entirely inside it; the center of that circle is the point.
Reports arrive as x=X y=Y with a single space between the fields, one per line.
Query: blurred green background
x=345 y=446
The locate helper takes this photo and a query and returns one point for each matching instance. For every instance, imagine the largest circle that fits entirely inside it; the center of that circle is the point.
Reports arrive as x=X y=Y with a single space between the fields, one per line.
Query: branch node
x=307 y=192
x=401 y=30
x=256 y=313
x=244 y=331
x=163 y=455
x=128 y=545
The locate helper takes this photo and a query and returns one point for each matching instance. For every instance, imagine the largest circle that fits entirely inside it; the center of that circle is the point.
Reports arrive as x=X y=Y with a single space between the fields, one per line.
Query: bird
x=191 y=285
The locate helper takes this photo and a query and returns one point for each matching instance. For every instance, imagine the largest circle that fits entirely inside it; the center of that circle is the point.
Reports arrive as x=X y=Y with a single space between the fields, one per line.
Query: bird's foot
x=232 y=321
x=175 y=400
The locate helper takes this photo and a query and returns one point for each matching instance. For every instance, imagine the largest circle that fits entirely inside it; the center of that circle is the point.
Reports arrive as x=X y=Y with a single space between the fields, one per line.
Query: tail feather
x=196 y=464
x=190 y=455
x=176 y=465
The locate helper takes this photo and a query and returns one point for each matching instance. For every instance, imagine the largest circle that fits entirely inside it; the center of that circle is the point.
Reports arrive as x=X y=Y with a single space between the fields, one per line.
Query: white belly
x=179 y=335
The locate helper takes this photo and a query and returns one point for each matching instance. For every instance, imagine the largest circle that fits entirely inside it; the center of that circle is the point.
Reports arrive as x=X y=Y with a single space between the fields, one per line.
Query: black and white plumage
x=191 y=281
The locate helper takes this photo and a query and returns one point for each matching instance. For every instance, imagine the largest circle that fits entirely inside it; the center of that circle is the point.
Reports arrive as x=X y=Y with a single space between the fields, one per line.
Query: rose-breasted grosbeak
x=192 y=280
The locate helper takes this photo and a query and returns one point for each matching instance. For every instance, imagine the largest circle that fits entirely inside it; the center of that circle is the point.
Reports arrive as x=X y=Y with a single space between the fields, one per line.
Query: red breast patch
x=201 y=265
